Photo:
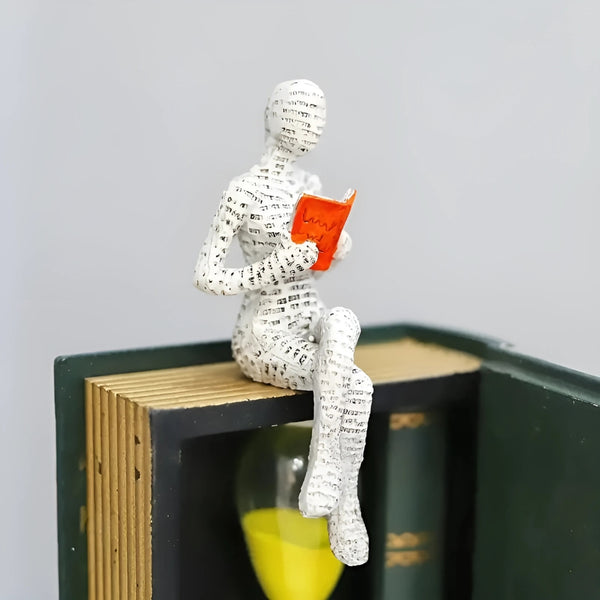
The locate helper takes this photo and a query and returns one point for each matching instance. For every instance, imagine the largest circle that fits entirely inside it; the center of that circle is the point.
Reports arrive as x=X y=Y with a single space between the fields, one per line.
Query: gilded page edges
x=119 y=494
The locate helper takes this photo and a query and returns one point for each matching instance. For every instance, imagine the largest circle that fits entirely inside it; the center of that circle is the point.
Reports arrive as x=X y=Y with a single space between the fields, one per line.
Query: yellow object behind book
x=291 y=554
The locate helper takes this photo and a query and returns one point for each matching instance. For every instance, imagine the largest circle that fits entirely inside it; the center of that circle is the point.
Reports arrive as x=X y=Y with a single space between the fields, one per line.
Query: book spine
x=407 y=541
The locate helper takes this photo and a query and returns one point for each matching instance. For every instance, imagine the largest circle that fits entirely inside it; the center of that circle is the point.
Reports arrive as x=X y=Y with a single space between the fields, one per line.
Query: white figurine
x=284 y=335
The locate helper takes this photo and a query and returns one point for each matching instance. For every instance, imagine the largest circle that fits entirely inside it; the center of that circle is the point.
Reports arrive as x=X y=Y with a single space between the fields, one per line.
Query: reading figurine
x=284 y=335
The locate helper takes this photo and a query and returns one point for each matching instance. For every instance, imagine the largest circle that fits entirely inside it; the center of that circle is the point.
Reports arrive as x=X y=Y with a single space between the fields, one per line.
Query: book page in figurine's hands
x=321 y=220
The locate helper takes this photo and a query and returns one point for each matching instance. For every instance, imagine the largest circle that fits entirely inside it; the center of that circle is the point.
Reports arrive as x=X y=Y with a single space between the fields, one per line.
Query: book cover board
x=538 y=490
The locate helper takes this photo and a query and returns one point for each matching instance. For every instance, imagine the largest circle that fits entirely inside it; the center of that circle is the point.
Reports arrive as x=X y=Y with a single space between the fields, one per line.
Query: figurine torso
x=270 y=206
x=293 y=305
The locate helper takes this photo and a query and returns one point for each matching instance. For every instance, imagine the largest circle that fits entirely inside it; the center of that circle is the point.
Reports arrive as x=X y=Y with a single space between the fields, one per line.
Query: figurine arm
x=286 y=260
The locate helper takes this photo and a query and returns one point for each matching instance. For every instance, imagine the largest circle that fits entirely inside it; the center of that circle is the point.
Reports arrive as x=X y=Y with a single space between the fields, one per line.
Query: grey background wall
x=471 y=130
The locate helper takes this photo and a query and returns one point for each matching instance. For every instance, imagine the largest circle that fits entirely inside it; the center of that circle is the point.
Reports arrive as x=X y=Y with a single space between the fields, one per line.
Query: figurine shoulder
x=242 y=191
x=236 y=198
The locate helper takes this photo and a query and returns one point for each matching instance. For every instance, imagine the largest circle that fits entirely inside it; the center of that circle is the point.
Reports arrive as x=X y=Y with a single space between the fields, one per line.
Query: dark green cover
x=538 y=489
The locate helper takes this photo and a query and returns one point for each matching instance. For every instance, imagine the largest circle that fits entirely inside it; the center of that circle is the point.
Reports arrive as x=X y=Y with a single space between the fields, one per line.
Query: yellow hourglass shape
x=290 y=554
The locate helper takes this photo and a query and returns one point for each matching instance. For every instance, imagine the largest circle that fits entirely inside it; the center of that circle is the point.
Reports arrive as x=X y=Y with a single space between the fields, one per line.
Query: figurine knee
x=342 y=319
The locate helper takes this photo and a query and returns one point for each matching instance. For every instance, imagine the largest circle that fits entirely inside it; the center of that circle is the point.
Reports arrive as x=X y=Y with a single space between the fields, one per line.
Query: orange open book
x=321 y=220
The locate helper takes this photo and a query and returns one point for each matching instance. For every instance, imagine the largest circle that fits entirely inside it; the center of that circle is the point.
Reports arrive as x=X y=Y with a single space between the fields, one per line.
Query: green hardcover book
x=493 y=497
x=408 y=541
x=420 y=470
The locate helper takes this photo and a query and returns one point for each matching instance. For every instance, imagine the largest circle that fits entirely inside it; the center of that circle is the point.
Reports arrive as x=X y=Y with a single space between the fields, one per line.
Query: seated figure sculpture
x=284 y=334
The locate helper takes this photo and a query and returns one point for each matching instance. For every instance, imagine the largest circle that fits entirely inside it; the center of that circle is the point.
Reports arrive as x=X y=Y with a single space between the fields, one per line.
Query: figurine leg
x=347 y=532
x=276 y=358
x=339 y=331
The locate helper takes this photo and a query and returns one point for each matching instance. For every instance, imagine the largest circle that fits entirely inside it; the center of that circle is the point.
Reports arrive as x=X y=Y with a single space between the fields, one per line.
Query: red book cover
x=321 y=220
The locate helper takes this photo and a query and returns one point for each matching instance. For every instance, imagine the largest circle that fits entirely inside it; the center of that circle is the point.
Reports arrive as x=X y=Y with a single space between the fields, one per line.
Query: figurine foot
x=347 y=532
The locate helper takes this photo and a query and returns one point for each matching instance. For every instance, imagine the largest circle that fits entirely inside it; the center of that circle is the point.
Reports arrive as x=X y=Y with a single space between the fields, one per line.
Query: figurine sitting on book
x=284 y=335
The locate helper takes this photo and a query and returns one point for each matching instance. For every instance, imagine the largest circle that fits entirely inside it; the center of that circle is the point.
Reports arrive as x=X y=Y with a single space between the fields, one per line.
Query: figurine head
x=295 y=116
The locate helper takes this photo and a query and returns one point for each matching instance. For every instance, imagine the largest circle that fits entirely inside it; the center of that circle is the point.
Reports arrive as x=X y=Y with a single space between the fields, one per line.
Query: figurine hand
x=295 y=257
x=344 y=246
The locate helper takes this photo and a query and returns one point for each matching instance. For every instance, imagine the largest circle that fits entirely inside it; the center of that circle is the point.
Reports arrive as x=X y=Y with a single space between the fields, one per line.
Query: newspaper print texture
x=284 y=335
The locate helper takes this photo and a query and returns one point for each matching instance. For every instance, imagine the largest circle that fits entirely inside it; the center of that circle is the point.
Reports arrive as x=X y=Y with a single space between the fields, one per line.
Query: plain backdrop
x=471 y=130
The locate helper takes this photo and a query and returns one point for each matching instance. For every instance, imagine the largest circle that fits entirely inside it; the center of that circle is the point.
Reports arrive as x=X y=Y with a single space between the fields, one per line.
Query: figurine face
x=295 y=115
